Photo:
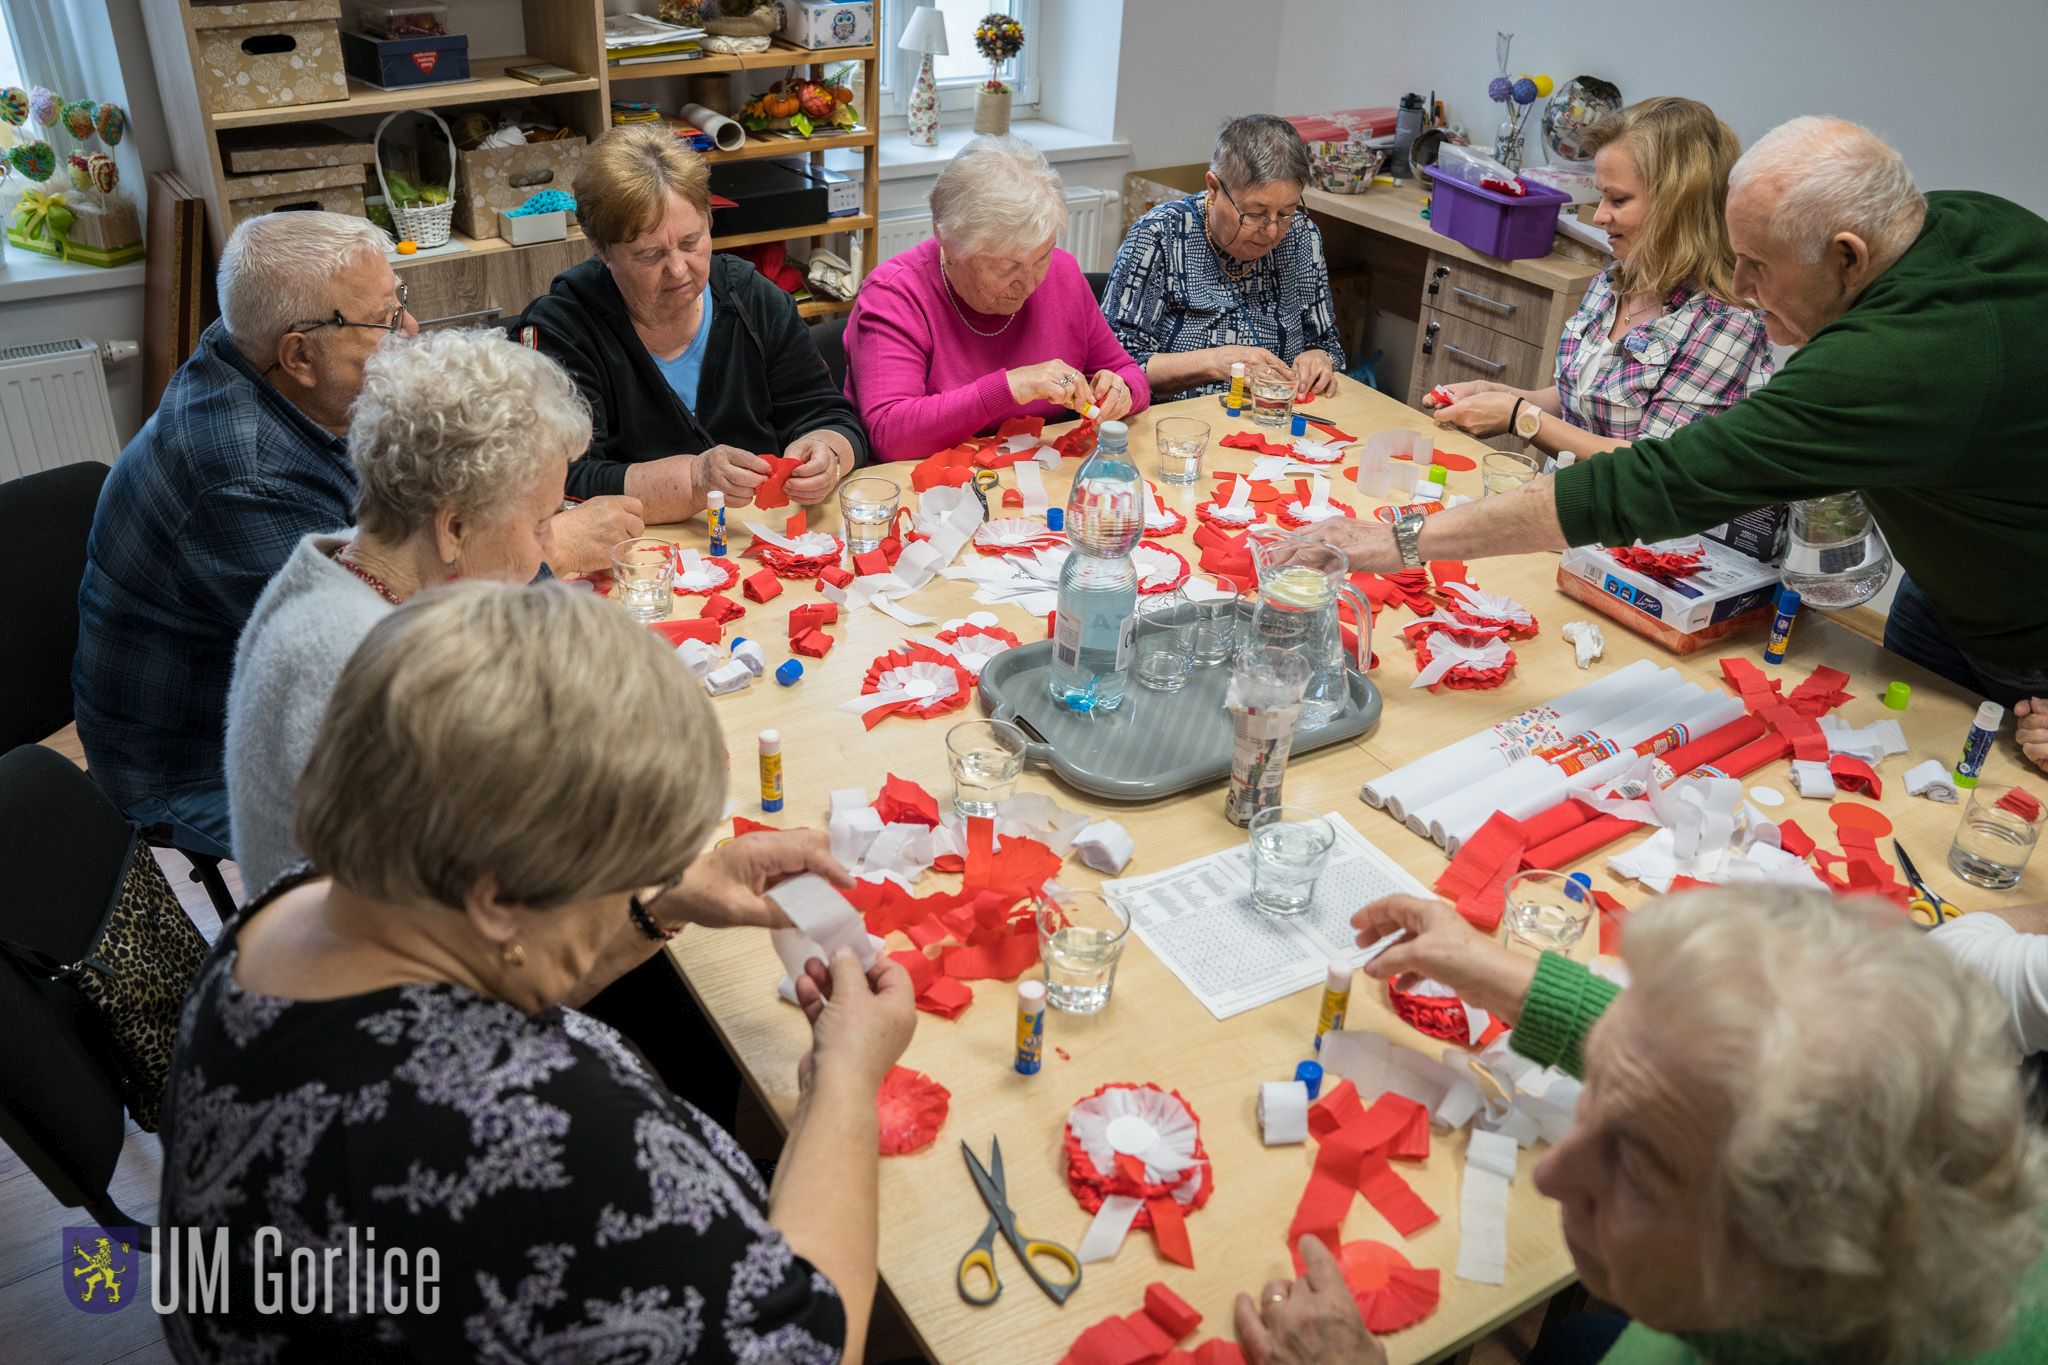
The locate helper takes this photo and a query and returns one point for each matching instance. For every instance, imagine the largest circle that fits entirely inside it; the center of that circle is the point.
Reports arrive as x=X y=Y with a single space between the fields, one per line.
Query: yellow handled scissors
x=982 y=1255
x=1925 y=902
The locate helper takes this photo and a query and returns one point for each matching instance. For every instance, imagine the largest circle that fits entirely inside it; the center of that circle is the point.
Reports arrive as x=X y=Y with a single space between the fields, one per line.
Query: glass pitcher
x=1835 y=556
x=1301 y=581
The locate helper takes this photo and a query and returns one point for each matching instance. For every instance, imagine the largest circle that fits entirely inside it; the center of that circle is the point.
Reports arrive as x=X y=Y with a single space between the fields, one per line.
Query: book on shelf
x=543 y=73
x=661 y=52
x=639 y=30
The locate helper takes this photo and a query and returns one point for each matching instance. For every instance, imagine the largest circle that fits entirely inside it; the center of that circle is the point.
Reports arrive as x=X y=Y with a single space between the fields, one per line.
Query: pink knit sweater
x=923 y=381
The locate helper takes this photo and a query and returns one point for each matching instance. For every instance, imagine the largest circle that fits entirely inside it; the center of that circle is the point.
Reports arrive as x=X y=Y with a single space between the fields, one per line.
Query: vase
x=923 y=114
x=992 y=112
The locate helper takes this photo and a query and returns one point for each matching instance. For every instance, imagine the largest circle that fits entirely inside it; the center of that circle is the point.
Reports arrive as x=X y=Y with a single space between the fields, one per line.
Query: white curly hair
x=462 y=418
x=279 y=269
x=997 y=194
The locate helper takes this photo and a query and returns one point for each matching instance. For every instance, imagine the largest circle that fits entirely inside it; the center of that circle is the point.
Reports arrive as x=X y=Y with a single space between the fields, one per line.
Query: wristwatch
x=1527 y=420
x=1408 y=535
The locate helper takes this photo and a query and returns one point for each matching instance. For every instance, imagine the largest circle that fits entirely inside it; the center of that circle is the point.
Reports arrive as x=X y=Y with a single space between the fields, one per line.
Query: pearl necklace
x=377 y=584
x=962 y=313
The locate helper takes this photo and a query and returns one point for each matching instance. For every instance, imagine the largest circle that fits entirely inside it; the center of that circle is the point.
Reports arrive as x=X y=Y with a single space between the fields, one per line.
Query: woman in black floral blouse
x=382 y=1087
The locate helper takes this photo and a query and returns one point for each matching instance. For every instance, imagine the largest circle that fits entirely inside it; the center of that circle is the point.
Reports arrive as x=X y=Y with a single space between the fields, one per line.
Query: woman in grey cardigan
x=461 y=442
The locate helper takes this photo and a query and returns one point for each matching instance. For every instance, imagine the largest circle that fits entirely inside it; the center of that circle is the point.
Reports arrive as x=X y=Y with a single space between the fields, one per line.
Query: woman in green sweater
x=1801 y=1137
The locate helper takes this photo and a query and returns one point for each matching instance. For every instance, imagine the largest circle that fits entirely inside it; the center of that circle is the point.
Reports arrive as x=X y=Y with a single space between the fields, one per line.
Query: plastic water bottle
x=1098 y=603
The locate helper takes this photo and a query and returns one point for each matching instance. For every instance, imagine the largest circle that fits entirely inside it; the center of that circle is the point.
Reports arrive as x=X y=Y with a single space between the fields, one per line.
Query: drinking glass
x=987 y=756
x=1181 y=441
x=1165 y=637
x=1213 y=606
x=1545 y=911
x=1272 y=398
x=2000 y=826
x=1290 y=847
x=644 y=575
x=1503 y=471
x=869 y=507
x=1081 y=934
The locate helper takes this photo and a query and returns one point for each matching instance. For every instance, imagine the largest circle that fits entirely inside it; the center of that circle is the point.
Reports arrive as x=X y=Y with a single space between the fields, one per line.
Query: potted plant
x=997 y=37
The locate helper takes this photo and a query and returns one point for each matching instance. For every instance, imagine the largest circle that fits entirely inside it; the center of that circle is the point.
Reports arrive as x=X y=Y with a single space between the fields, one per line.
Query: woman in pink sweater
x=987 y=321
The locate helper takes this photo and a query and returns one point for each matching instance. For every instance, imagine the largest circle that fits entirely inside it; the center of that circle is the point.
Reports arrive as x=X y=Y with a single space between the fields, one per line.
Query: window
x=962 y=68
x=10 y=61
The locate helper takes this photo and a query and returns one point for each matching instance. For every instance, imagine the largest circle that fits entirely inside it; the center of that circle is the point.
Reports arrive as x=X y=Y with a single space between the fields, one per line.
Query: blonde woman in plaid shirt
x=1660 y=339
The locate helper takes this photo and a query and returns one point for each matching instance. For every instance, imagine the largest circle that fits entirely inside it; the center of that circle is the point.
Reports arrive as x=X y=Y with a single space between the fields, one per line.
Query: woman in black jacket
x=694 y=366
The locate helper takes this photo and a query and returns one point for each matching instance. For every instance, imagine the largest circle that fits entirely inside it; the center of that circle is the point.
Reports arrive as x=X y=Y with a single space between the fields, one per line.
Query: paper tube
x=1283 y=1112
x=1596 y=834
x=725 y=135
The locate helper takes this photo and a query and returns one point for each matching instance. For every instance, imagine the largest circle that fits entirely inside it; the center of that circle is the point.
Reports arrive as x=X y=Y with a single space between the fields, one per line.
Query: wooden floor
x=38 y=1323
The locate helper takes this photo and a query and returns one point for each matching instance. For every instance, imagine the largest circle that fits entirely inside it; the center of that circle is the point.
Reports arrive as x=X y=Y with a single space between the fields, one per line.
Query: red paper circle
x=1853 y=815
x=910 y=1106
x=1391 y=1293
x=1457 y=464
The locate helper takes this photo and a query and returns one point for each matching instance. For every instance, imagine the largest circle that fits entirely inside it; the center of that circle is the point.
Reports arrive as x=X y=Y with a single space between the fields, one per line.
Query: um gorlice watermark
x=211 y=1270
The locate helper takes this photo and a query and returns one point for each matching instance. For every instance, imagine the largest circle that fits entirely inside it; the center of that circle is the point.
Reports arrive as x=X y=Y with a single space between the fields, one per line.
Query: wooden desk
x=1153 y=1029
x=1477 y=317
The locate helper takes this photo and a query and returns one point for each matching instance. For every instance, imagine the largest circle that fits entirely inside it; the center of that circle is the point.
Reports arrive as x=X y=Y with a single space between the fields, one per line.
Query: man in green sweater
x=1921 y=381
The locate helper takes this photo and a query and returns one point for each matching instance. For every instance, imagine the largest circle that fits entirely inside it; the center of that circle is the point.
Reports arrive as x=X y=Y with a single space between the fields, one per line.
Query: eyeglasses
x=396 y=320
x=640 y=909
x=1260 y=222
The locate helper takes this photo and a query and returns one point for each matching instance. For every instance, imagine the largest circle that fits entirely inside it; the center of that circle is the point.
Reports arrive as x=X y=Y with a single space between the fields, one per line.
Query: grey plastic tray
x=1156 y=743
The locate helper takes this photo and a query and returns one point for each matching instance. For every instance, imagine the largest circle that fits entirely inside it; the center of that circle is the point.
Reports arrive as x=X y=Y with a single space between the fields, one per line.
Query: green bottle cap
x=1437 y=474
x=1897 y=695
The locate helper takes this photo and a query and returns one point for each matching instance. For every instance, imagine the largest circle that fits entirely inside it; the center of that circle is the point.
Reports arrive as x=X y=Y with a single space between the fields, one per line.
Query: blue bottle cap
x=1788 y=600
x=1310 y=1074
x=789 y=672
x=1579 y=886
x=1299 y=426
x=1055 y=518
x=738 y=640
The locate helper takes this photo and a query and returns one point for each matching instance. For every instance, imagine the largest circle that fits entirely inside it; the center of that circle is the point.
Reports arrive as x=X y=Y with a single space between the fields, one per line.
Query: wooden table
x=1154 y=1030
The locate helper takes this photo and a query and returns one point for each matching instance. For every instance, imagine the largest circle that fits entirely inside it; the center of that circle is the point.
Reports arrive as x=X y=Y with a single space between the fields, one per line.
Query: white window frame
x=956 y=97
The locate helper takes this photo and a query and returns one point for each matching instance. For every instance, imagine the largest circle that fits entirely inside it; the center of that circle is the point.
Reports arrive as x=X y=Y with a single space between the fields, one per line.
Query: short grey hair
x=279 y=269
x=1259 y=149
x=1880 y=1186
x=1830 y=176
x=999 y=193
x=457 y=418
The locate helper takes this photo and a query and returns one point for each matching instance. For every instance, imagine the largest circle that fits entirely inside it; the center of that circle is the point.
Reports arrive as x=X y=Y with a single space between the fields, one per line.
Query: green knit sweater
x=1563 y=1002
x=1930 y=395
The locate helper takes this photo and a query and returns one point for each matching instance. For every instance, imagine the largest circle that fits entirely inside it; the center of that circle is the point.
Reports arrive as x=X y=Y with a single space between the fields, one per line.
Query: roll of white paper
x=725 y=135
x=1283 y=1112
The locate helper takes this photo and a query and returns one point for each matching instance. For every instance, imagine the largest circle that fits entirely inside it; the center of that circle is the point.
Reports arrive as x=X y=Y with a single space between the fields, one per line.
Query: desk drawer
x=1449 y=349
x=1497 y=302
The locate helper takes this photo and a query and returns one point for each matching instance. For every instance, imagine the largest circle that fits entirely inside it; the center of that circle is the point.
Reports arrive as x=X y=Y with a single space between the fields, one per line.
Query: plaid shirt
x=1698 y=357
x=203 y=507
x=1167 y=292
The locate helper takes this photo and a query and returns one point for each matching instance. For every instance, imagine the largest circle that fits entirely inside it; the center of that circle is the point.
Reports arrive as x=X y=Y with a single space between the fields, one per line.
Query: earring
x=513 y=955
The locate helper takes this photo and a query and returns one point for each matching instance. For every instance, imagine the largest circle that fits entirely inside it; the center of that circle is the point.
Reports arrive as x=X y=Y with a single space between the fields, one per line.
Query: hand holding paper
x=1441 y=945
x=723 y=888
x=860 y=1021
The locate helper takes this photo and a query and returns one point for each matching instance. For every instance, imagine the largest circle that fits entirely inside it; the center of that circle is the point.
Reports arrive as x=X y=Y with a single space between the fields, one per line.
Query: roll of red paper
x=1715 y=744
x=1564 y=816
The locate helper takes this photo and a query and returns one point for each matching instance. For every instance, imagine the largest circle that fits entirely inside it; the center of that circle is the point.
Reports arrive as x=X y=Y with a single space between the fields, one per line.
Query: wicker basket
x=424 y=225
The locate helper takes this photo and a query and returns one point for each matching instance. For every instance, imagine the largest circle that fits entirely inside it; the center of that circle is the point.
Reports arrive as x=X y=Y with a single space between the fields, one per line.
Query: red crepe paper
x=1462 y=677
x=1391 y=1293
x=719 y=607
x=1170 y=1231
x=834 y=576
x=1226 y=555
x=1252 y=441
x=1004 y=960
x=1396 y=1126
x=1665 y=566
x=1478 y=876
x=1148 y=1336
x=1407 y=587
x=1205 y=513
x=1012 y=498
x=1797 y=729
x=1330 y=430
x=902 y=658
x=911 y=1107
x=761 y=586
x=1821 y=693
x=1612 y=917
x=742 y=825
x=1793 y=839
x=1394 y=1197
x=1852 y=774
x=770 y=494
x=1439 y=1016
x=2024 y=804
x=812 y=644
x=691 y=628
x=1456 y=463
x=1091 y=1185
x=1078 y=442
x=870 y=562
x=1749 y=682
x=723 y=566
x=1170 y=1311
x=1020 y=426
x=811 y=616
x=797 y=523
x=949 y=468
x=903 y=802
x=1168 y=584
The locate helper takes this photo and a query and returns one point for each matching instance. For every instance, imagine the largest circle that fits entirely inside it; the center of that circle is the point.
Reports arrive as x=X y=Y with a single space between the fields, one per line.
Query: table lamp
x=925 y=34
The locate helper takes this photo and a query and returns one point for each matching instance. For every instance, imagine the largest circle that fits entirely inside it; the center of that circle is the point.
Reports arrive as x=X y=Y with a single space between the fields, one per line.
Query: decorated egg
x=36 y=160
x=43 y=107
x=75 y=167
x=14 y=105
x=105 y=175
x=112 y=121
x=77 y=116
x=1500 y=89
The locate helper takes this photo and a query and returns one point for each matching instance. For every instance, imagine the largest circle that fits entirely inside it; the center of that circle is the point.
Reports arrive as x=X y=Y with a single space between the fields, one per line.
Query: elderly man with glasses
x=1234 y=275
x=244 y=457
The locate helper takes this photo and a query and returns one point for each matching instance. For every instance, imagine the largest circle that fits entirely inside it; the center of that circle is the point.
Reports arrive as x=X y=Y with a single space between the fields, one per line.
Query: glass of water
x=869 y=506
x=987 y=757
x=1081 y=934
x=1164 y=633
x=2000 y=827
x=1503 y=471
x=1546 y=911
x=1290 y=848
x=1213 y=606
x=644 y=575
x=1181 y=441
x=1272 y=398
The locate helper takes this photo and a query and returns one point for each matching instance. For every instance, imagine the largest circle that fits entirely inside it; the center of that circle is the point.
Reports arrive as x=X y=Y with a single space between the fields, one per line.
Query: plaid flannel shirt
x=1698 y=357
x=203 y=507
x=1167 y=292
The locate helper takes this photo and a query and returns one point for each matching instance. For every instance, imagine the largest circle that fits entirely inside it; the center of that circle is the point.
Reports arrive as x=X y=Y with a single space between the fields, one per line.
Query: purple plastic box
x=1504 y=225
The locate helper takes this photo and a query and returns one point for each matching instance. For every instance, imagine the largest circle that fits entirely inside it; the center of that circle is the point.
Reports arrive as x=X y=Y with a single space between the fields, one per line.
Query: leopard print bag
x=136 y=975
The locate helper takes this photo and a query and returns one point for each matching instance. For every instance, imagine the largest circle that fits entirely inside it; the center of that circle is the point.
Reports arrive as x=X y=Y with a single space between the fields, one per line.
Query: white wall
x=1954 y=86
x=1187 y=66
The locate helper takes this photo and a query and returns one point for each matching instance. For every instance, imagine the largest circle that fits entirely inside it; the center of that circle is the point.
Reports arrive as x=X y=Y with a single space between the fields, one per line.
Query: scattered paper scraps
x=903 y=802
x=911 y=1107
x=1252 y=441
x=1135 y=1158
x=1854 y=775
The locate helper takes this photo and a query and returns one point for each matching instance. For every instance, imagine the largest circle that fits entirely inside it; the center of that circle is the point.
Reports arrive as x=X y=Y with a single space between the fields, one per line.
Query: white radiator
x=1083 y=236
x=53 y=407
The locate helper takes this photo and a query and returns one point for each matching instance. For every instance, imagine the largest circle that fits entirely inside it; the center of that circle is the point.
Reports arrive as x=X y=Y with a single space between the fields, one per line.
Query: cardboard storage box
x=530 y=228
x=334 y=199
x=1147 y=190
x=400 y=63
x=498 y=178
x=270 y=54
x=834 y=23
x=292 y=147
x=1732 y=592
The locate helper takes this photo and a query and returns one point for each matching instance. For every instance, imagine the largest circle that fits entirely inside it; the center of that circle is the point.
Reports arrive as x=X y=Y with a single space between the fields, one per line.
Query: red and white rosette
x=1295 y=514
x=1015 y=536
x=1317 y=452
x=1462 y=662
x=1135 y=1159
x=1227 y=516
x=916 y=680
x=1489 y=609
x=974 y=643
x=1161 y=520
x=699 y=575
x=1433 y=1008
x=1159 y=569
x=799 y=556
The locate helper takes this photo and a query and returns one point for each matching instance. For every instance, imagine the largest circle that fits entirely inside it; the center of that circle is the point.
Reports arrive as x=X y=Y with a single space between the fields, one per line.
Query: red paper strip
x=1821 y=693
x=770 y=494
x=2021 y=803
x=1793 y=839
x=1330 y=430
x=1487 y=859
x=1170 y=1231
x=1394 y=1197
x=1170 y=1311
x=1852 y=774
x=1248 y=440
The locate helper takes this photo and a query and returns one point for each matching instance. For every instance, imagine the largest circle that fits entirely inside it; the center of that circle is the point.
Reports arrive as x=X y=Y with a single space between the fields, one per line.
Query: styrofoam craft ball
x=77 y=115
x=43 y=107
x=112 y=121
x=14 y=105
x=1525 y=91
x=105 y=175
x=36 y=160
x=1500 y=90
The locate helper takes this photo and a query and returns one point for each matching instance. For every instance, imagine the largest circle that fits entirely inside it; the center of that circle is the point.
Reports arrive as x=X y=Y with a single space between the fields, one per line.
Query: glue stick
x=771 y=770
x=1030 y=1026
x=714 y=512
x=1336 y=997
x=1236 y=399
x=1977 y=745
x=1781 y=629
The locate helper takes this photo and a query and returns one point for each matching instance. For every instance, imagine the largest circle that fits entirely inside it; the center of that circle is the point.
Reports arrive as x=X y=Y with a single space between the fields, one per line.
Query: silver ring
x=1276 y=1298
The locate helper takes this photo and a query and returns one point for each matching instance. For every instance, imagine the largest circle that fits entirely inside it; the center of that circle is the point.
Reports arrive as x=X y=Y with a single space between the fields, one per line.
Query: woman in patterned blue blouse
x=1233 y=275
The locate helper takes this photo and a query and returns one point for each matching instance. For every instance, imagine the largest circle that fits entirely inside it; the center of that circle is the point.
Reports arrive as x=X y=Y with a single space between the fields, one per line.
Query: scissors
x=984 y=483
x=982 y=1255
x=1924 y=902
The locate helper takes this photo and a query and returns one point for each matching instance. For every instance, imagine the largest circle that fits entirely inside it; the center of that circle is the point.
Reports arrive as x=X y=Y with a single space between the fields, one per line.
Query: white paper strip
x=1283 y=1112
x=1105 y=846
x=1380 y=945
x=1929 y=779
x=1483 y=1208
x=823 y=916
x=1106 y=1234
x=1030 y=487
x=1813 y=778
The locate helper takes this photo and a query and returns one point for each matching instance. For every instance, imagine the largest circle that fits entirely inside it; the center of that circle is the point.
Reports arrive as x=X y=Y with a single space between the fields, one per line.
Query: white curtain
x=70 y=47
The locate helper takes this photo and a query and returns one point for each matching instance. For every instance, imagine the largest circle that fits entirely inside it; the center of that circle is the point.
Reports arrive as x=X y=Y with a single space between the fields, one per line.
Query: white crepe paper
x=1112 y=1224
x=1931 y=780
x=1813 y=778
x=1031 y=488
x=1492 y=606
x=1283 y=1112
x=1872 y=743
x=1586 y=640
x=730 y=676
x=1483 y=1208
x=1318 y=452
x=1105 y=846
x=823 y=922
x=752 y=655
x=1447 y=652
x=697 y=656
